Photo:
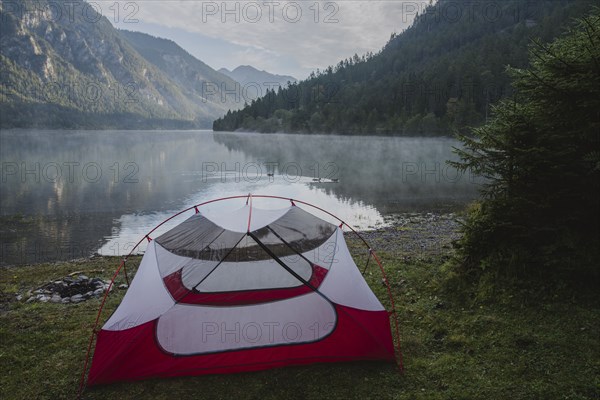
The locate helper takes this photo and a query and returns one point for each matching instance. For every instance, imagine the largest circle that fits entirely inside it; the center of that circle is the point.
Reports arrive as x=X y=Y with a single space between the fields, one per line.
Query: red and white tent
x=242 y=291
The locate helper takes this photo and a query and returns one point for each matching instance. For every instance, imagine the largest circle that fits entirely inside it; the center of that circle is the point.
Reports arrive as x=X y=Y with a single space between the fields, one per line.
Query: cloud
x=291 y=37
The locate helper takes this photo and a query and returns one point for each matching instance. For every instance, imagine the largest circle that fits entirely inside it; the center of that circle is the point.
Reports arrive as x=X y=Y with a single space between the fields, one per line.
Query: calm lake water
x=69 y=194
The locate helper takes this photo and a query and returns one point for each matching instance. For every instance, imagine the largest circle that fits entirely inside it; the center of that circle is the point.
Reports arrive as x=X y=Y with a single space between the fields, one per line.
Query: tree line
x=540 y=155
x=440 y=74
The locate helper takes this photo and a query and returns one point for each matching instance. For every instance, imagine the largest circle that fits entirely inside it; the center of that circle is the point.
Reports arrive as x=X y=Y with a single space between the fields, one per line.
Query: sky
x=283 y=37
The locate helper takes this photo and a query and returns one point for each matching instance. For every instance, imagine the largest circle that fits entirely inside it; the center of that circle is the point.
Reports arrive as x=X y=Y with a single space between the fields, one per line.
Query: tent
x=239 y=291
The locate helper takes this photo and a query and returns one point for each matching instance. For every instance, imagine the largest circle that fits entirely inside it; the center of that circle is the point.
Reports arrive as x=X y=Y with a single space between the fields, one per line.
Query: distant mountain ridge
x=63 y=73
x=196 y=78
x=249 y=76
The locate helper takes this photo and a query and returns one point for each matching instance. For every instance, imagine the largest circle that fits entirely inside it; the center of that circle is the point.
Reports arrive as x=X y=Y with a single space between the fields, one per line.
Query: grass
x=523 y=344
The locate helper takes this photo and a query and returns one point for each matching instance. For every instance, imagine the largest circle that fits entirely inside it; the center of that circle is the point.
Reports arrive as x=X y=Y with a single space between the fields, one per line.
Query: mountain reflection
x=67 y=194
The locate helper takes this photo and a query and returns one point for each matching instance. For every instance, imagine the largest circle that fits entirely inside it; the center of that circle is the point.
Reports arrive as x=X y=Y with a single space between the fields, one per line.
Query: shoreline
x=518 y=343
x=419 y=232
x=405 y=236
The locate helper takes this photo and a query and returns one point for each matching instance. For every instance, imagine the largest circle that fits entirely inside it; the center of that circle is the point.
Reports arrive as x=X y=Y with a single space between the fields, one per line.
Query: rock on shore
x=68 y=290
x=415 y=234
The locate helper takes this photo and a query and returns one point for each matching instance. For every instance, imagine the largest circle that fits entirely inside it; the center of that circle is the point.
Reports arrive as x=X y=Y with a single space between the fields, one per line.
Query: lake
x=69 y=194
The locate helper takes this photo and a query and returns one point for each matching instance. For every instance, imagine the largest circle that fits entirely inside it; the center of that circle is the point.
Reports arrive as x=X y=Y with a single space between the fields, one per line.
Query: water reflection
x=392 y=174
x=68 y=194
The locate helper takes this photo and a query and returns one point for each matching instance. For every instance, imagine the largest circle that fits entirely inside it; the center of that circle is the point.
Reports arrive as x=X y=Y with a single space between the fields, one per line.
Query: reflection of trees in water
x=68 y=187
x=43 y=218
x=391 y=173
x=39 y=238
x=133 y=171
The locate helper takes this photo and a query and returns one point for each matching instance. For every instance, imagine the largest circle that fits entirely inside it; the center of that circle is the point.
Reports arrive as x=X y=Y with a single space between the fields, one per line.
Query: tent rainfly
x=242 y=291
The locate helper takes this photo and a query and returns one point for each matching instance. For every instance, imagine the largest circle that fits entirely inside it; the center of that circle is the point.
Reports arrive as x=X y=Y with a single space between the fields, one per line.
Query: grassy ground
x=532 y=344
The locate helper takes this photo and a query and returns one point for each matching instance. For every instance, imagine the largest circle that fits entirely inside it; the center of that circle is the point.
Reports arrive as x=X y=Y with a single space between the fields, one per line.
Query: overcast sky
x=284 y=37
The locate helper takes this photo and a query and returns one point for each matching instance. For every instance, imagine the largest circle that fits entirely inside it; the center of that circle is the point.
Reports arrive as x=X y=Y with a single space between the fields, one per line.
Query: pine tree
x=540 y=157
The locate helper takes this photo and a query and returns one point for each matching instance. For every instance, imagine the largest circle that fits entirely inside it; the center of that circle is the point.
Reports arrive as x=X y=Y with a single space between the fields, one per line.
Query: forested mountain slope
x=443 y=72
x=66 y=67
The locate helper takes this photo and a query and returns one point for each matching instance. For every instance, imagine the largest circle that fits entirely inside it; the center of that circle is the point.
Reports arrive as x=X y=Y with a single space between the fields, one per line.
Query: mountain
x=442 y=73
x=74 y=70
x=197 y=79
x=251 y=79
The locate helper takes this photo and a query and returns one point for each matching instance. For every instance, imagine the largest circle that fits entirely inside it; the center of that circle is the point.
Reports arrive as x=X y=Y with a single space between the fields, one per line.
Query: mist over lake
x=69 y=194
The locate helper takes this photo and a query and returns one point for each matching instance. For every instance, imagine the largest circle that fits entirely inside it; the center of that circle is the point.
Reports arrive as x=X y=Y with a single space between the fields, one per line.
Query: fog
x=68 y=194
x=394 y=174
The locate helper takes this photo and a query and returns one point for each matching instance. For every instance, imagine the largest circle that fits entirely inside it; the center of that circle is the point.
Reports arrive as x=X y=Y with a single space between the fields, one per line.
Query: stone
x=123 y=286
x=19 y=297
x=98 y=292
x=30 y=300
x=83 y=278
x=77 y=298
x=55 y=299
x=65 y=300
x=43 y=298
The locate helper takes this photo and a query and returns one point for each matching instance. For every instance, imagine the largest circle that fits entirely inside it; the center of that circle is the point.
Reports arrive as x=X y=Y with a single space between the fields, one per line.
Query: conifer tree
x=540 y=157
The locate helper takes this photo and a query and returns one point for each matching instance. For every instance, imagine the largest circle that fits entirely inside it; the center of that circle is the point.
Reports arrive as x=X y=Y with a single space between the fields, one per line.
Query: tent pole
x=82 y=382
x=94 y=330
x=367 y=264
x=389 y=289
x=248 y=200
